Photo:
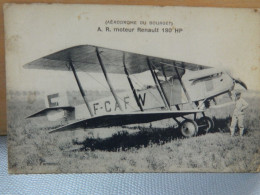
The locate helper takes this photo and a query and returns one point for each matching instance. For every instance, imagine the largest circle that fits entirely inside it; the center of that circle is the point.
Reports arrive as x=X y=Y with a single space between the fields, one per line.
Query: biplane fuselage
x=179 y=89
x=201 y=85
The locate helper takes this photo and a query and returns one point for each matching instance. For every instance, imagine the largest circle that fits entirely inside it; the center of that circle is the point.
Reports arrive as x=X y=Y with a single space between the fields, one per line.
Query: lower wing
x=123 y=119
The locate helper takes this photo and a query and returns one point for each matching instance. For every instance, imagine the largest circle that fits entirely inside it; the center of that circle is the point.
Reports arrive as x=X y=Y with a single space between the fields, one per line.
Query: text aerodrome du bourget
x=129 y=26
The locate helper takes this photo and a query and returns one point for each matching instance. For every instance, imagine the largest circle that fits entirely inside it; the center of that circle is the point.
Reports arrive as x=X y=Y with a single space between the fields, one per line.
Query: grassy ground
x=146 y=148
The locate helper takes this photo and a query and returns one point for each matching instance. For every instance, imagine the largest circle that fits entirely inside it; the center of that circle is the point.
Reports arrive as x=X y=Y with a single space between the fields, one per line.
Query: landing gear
x=189 y=128
x=205 y=124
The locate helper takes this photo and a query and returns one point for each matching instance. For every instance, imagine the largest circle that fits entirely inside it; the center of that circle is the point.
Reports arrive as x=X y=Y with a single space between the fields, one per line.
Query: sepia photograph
x=108 y=89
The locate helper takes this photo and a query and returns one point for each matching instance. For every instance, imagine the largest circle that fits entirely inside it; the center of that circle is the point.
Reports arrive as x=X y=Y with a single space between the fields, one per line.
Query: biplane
x=180 y=89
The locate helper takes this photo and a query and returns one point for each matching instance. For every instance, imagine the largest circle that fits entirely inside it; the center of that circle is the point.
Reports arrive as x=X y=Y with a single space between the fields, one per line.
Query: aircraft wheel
x=205 y=124
x=189 y=128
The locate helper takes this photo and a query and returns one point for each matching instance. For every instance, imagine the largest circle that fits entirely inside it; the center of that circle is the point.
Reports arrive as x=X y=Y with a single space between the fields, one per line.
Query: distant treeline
x=74 y=96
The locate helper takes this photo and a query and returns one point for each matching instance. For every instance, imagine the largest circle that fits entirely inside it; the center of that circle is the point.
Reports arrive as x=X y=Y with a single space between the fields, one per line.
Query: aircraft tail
x=57 y=108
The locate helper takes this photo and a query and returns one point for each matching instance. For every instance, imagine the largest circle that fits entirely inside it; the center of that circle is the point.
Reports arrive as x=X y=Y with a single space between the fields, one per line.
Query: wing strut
x=107 y=79
x=164 y=74
x=182 y=84
x=163 y=71
x=80 y=88
x=131 y=84
x=158 y=85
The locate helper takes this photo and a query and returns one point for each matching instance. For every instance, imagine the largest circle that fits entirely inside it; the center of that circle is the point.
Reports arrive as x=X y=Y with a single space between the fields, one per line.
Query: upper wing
x=123 y=119
x=84 y=58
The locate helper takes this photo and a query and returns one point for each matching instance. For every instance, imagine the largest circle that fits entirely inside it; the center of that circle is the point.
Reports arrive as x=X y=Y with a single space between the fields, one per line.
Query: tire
x=189 y=128
x=205 y=124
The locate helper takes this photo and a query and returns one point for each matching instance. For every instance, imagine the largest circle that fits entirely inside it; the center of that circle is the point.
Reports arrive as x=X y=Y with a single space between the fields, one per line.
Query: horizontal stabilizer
x=45 y=111
x=123 y=119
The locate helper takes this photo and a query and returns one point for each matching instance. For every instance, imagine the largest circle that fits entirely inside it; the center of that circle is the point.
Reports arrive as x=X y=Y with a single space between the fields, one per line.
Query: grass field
x=154 y=147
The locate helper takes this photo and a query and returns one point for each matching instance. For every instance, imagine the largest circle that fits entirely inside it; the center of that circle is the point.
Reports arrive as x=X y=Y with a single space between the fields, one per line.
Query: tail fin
x=58 y=99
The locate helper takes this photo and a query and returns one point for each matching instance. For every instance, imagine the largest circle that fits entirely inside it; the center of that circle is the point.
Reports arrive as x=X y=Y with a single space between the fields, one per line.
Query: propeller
x=240 y=82
x=237 y=80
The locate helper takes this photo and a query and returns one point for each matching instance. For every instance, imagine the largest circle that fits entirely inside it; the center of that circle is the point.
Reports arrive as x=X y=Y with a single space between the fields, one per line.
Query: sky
x=218 y=37
x=65 y=81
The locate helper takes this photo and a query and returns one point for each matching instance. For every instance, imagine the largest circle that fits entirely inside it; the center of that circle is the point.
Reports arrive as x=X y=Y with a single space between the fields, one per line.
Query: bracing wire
x=141 y=85
x=104 y=57
x=172 y=65
x=107 y=88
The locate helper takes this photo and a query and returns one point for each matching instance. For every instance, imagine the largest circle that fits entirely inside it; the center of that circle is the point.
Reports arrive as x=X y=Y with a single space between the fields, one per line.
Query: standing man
x=238 y=115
